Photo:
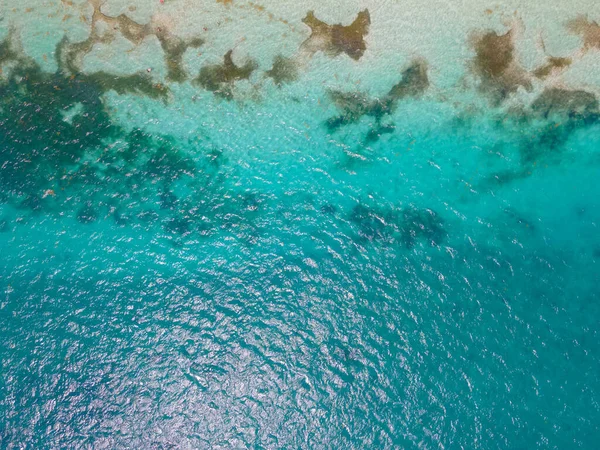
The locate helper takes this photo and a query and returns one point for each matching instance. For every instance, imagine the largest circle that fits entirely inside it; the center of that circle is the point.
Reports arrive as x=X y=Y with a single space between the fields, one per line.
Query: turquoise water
x=264 y=266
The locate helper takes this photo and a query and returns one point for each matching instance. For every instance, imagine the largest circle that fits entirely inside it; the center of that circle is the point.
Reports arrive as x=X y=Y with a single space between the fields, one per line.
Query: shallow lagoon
x=344 y=233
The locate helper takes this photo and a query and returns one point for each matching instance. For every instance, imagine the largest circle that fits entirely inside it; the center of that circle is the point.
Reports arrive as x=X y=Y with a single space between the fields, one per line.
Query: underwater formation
x=554 y=64
x=284 y=70
x=355 y=105
x=337 y=39
x=407 y=226
x=496 y=66
x=220 y=78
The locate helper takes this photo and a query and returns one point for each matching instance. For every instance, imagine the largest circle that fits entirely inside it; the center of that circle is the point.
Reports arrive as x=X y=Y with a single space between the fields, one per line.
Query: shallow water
x=390 y=249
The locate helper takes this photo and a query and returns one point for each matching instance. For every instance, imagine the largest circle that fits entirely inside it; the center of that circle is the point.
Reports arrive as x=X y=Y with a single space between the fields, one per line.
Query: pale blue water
x=206 y=273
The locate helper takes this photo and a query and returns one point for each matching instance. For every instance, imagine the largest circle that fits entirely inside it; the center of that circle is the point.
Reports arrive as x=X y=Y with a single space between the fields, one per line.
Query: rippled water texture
x=260 y=225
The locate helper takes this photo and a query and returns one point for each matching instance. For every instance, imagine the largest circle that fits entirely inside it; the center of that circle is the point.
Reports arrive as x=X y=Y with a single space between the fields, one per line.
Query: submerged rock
x=284 y=70
x=421 y=224
x=355 y=105
x=220 y=78
x=566 y=104
x=554 y=64
x=552 y=119
x=414 y=82
x=495 y=65
x=371 y=222
x=336 y=39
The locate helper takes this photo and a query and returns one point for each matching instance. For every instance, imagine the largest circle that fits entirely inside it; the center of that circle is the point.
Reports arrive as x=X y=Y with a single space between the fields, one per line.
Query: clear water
x=204 y=272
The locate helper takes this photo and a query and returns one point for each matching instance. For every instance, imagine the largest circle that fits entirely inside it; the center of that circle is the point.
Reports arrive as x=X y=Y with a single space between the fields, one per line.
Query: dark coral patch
x=350 y=39
x=562 y=112
x=407 y=226
x=553 y=64
x=56 y=136
x=543 y=129
x=220 y=78
x=496 y=66
x=7 y=51
x=284 y=70
x=421 y=225
x=564 y=104
x=354 y=106
x=372 y=223
x=494 y=53
x=137 y=83
x=337 y=39
x=42 y=151
x=34 y=137
x=414 y=83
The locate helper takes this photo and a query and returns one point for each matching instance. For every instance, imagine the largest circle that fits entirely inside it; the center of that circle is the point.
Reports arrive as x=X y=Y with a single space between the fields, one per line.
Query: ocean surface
x=236 y=224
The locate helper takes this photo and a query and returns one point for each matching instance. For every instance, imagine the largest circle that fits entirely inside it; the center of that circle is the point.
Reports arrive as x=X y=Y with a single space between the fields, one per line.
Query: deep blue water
x=200 y=273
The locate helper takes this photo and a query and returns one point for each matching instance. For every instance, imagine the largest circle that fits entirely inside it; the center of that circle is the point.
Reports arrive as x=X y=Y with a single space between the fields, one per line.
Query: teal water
x=233 y=269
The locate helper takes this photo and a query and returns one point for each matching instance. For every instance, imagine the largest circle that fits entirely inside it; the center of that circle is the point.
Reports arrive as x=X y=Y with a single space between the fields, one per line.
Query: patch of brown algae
x=220 y=78
x=496 y=66
x=336 y=39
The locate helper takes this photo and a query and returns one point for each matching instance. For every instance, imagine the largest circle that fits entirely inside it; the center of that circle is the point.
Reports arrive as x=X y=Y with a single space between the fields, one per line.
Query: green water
x=189 y=267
